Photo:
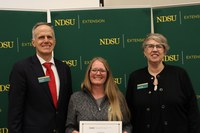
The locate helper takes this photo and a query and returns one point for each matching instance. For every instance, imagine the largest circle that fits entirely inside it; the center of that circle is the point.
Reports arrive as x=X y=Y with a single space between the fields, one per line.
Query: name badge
x=44 y=79
x=142 y=86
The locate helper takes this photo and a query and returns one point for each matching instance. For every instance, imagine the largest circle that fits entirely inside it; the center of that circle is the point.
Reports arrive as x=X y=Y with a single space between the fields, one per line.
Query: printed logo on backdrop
x=93 y=21
x=3 y=130
x=191 y=17
x=26 y=44
x=171 y=58
x=72 y=21
x=86 y=62
x=118 y=80
x=9 y=44
x=6 y=44
x=135 y=40
x=173 y=17
x=71 y=62
x=4 y=88
x=192 y=57
x=182 y=57
x=65 y=22
x=166 y=19
x=109 y=41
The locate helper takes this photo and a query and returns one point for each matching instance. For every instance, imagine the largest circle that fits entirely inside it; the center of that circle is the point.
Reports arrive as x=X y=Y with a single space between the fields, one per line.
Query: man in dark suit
x=32 y=106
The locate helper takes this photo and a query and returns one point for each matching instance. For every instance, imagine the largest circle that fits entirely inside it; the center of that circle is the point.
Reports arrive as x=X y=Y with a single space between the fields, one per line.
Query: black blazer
x=31 y=108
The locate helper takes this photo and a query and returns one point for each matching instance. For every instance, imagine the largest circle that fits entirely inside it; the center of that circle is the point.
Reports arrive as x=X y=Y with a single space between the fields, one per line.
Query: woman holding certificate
x=99 y=99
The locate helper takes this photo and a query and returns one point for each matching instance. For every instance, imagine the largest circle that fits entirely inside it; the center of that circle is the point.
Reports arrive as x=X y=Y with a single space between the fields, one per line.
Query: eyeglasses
x=95 y=70
x=152 y=46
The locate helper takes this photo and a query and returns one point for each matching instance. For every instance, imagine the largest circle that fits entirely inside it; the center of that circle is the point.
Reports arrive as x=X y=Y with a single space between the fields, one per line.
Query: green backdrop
x=15 y=44
x=181 y=25
x=115 y=34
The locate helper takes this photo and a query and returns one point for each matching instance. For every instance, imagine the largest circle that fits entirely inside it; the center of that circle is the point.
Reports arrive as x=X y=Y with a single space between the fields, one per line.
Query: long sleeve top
x=172 y=108
x=83 y=107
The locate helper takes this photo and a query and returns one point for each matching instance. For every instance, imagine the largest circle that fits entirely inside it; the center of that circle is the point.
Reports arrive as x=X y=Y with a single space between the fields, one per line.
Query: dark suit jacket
x=31 y=108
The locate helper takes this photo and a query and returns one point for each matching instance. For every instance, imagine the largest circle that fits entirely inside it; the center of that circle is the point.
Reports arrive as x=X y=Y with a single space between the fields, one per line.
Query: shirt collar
x=42 y=61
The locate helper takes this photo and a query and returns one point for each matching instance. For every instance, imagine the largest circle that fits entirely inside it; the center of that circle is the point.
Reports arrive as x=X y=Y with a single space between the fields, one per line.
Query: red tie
x=52 y=83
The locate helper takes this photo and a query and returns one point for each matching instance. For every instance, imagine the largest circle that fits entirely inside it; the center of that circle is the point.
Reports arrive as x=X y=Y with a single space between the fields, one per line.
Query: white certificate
x=100 y=127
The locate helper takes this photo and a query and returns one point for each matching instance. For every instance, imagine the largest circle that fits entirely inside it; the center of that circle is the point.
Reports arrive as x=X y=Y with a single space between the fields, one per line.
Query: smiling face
x=154 y=51
x=44 y=40
x=98 y=74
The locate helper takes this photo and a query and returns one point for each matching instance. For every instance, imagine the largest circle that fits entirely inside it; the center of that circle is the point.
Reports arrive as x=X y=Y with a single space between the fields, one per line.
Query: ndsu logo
x=171 y=58
x=64 y=22
x=169 y=18
x=86 y=62
x=3 y=130
x=70 y=63
x=118 y=80
x=6 y=44
x=4 y=88
x=109 y=41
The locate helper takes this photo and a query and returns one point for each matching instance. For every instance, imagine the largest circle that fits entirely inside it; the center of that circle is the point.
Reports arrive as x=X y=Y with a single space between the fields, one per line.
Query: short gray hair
x=158 y=38
x=39 y=24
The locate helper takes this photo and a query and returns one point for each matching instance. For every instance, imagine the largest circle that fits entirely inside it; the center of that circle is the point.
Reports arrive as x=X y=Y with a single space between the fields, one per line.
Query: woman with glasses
x=160 y=97
x=99 y=99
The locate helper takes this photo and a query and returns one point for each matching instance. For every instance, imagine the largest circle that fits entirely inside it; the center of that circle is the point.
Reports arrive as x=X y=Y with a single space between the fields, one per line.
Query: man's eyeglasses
x=152 y=46
x=95 y=70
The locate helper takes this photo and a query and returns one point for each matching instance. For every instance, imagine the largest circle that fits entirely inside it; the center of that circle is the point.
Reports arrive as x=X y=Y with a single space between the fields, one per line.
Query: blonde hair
x=116 y=98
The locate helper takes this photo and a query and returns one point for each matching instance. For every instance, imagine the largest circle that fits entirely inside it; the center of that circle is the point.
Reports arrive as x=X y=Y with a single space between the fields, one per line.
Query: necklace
x=155 y=82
